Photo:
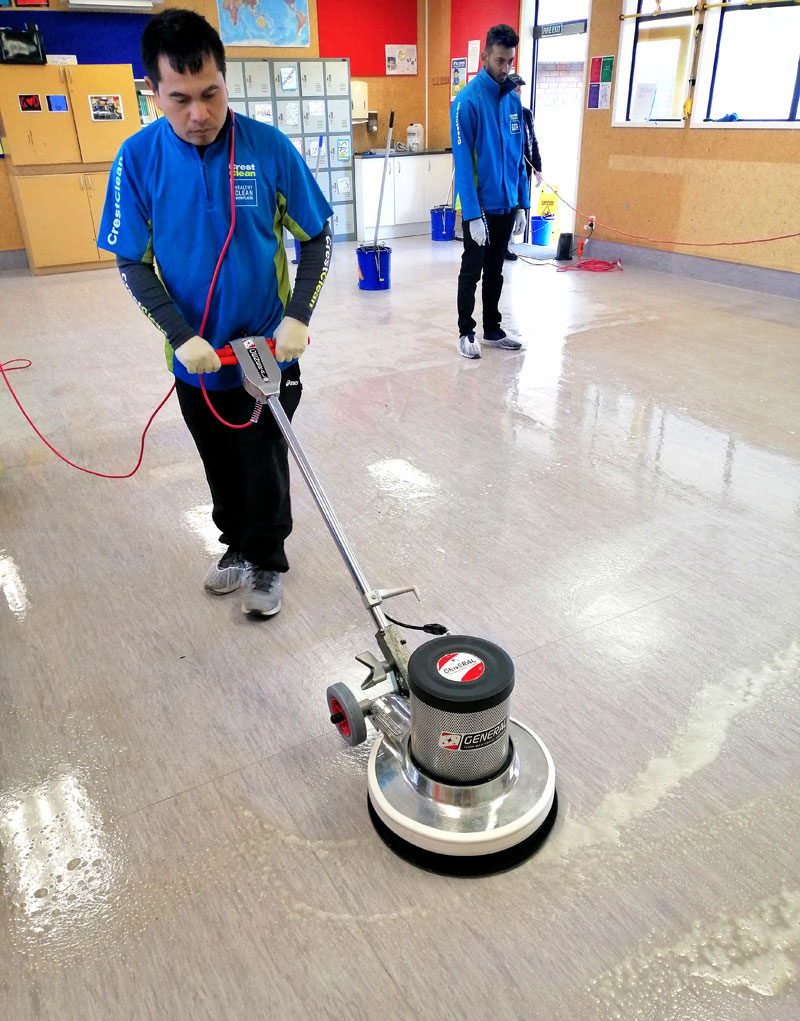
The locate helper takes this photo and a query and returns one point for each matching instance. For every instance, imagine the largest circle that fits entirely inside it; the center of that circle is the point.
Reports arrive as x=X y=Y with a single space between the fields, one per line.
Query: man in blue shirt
x=169 y=220
x=487 y=137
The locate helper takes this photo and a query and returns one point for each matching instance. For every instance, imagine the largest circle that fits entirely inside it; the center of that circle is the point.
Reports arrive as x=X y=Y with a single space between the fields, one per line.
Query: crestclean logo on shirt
x=514 y=123
x=245 y=186
x=115 y=224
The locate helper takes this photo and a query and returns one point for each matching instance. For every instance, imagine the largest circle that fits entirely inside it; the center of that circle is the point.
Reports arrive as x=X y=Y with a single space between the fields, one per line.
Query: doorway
x=558 y=74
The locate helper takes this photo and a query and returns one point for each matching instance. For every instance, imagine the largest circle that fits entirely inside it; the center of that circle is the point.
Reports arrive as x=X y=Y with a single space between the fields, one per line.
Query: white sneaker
x=468 y=346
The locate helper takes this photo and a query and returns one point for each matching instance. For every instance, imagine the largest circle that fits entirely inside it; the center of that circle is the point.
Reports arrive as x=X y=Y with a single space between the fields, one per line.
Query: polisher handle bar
x=261 y=377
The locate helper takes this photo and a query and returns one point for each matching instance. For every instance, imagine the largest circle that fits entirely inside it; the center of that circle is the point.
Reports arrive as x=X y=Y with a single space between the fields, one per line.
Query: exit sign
x=551 y=30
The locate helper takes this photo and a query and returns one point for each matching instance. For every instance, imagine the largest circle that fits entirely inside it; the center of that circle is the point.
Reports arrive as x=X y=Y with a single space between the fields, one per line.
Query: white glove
x=291 y=339
x=197 y=355
x=537 y=176
x=477 y=229
x=520 y=219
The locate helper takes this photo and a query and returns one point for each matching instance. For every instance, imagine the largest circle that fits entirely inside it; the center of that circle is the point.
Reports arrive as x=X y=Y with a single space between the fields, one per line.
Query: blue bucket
x=541 y=228
x=443 y=223
x=374 y=267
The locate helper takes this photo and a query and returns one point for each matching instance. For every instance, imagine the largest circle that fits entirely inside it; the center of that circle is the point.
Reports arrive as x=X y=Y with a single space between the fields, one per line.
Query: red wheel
x=346 y=714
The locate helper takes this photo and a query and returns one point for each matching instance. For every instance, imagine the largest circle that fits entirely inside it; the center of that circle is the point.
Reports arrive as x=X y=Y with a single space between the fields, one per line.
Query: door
x=57 y=219
x=314 y=119
x=409 y=189
x=285 y=78
x=288 y=116
x=559 y=66
x=36 y=109
x=105 y=108
x=96 y=185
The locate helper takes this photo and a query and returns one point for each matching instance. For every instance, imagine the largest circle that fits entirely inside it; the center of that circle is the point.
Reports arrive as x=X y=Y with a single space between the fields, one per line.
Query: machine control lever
x=376 y=596
x=377 y=669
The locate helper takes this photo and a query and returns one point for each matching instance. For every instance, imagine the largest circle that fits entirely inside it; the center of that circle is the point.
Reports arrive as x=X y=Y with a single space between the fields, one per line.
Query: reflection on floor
x=618 y=505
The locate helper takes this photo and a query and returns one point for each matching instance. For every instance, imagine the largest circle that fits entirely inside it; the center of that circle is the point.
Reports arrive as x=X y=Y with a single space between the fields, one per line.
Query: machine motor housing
x=460 y=692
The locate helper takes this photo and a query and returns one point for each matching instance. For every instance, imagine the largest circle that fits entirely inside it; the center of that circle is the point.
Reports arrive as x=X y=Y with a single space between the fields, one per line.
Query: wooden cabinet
x=61 y=128
x=61 y=217
x=85 y=112
x=414 y=185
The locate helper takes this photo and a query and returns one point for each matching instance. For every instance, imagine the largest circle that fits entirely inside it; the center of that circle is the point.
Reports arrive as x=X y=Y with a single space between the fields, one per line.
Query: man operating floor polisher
x=454 y=783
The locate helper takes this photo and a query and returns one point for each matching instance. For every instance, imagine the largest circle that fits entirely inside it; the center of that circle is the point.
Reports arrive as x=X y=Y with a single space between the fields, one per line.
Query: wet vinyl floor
x=185 y=835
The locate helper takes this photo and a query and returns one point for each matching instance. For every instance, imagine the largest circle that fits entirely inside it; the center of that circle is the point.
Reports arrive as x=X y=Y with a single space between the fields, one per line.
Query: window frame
x=626 y=64
x=706 y=72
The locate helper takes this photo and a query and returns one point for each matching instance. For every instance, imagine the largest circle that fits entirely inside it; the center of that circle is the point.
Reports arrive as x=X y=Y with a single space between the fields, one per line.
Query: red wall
x=361 y=29
x=472 y=19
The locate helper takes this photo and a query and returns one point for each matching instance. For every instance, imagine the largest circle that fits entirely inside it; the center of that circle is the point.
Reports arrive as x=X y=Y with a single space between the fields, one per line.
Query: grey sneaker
x=227 y=574
x=263 y=595
x=468 y=346
x=498 y=338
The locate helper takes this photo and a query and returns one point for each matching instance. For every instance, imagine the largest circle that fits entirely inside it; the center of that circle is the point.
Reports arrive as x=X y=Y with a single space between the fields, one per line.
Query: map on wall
x=264 y=22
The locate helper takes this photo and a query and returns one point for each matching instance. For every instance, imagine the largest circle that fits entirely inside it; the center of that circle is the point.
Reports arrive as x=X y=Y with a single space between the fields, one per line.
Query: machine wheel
x=346 y=714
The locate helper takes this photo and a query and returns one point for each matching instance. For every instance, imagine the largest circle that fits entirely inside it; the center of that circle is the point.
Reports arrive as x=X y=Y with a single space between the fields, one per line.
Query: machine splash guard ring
x=480 y=820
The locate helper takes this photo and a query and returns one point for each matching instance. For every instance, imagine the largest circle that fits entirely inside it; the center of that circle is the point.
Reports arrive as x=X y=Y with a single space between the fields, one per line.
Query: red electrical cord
x=10 y=367
x=661 y=241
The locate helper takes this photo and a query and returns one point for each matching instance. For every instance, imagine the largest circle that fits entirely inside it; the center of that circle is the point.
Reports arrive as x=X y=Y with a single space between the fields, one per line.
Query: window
x=656 y=53
x=755 y=75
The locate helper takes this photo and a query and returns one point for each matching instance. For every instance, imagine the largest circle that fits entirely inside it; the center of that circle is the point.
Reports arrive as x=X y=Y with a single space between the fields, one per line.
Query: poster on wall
x=601 y=70
x=458 y=76
x=473 y=55
x=264 y=22
x=401 y=59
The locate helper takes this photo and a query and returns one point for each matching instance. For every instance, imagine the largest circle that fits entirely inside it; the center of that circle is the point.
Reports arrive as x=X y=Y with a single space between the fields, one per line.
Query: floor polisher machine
x=455 y=784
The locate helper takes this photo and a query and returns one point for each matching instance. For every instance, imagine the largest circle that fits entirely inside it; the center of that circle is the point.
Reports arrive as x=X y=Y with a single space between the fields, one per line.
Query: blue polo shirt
x=166 y=203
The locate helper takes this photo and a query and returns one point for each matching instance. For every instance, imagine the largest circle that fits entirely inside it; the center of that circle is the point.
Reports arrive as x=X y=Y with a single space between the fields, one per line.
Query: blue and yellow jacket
x=487 y=136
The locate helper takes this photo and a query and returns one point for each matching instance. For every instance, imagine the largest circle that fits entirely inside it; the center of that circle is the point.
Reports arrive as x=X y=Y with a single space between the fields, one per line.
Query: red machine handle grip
x=227 y=357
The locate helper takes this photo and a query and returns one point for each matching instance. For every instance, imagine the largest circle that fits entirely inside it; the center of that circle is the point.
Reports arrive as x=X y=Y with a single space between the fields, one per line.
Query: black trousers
x=487 y=260
x=247 y=469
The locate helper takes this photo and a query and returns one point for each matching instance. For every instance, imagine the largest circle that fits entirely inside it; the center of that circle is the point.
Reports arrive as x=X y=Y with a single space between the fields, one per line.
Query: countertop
x=372 y=154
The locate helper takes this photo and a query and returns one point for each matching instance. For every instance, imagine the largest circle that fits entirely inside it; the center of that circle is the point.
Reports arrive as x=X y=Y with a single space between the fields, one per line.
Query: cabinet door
x=371 y=174
x=343 y=220
x=338 y=115
x=57 y=219
x=44 y=136
x=234 y=79
x=437 y=180
x=96 y=185
x=285 y=78
x=257 y=78
x=288 y=116
x=409 y=189
x=314 y=119
x=105 y=108
x=337 y=77
x=312 y=77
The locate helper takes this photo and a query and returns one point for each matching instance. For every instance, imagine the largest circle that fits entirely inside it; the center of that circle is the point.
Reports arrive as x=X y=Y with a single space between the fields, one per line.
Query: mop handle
x=319 y=156
x=383 y=179
x=452 y=180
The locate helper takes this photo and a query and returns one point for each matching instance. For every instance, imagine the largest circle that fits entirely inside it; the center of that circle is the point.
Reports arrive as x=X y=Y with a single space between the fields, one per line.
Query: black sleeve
x=312 y=268
x=535 y=156
x=150 y=295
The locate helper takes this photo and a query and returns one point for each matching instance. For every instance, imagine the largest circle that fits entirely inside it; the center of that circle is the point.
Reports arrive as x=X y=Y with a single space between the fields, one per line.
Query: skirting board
x=753 y=278
x=15 y=259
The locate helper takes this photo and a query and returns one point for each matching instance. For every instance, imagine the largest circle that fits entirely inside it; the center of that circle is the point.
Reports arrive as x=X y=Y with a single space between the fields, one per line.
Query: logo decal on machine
x=460 y=666
x=468 y=742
